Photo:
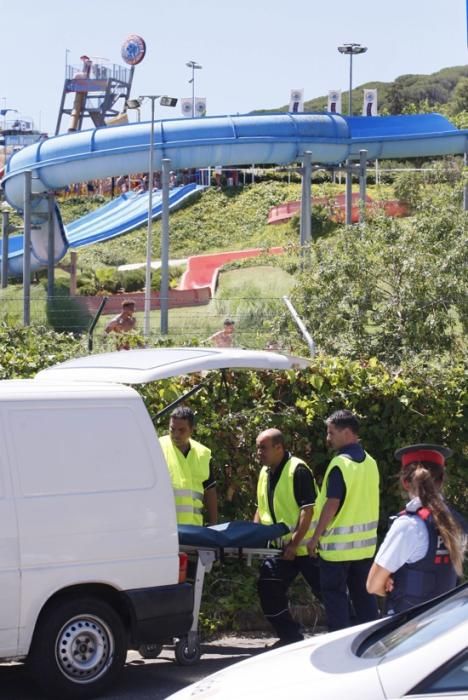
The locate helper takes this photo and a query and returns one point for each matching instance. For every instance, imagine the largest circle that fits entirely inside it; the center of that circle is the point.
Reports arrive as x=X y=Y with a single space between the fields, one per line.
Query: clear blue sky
x=252 y=51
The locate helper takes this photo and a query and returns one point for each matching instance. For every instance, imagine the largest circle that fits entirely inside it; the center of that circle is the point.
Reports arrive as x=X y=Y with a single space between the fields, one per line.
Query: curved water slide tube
x=115 y=218
x=121 y=215
x=229 y=140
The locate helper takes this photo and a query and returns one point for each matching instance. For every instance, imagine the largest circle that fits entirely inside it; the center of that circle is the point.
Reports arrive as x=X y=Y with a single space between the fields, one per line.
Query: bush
x=413 y=404
x=320 y=221
x=24 y=351
x=133 y=280
x=175 y=273
x=65 y=313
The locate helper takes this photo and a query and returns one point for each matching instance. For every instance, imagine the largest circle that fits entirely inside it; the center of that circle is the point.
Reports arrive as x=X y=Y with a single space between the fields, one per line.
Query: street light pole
x=194 y=66
x=351 y=50
x=149 y=234
x=136 y=104
x=164 y=288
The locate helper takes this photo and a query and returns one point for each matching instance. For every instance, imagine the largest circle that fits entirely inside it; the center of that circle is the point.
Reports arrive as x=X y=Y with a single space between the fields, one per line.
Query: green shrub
x=408 y=188
x=175 y=273
x=65 y=313
x=133 y=280
x=26 y=350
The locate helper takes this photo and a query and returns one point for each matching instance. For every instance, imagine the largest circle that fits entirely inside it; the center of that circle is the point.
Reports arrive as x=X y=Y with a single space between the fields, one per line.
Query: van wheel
x=79 y=648
x=150 y=651
x=187 y=650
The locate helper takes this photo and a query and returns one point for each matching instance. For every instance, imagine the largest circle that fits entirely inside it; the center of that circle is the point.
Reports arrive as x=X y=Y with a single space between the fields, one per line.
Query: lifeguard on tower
x=97 y=87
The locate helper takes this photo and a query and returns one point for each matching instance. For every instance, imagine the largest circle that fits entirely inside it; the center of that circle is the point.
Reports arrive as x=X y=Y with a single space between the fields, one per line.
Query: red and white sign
x=133 y=49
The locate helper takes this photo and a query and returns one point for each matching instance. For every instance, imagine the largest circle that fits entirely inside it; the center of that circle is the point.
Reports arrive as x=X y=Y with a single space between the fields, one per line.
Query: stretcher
x=237 y=540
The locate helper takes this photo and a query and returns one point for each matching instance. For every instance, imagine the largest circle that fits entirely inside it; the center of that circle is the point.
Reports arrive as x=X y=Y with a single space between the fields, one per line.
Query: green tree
x=459 y=101
x=392 y=288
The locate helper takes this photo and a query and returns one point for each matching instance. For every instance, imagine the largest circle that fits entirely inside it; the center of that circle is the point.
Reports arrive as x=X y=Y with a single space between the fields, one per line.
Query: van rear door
x=148 y=365
x=9 y=560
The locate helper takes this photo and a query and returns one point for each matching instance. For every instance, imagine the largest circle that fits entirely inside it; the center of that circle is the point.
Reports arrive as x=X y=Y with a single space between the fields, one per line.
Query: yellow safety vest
x=187 y=476
x=352 y=534
x=285 y=506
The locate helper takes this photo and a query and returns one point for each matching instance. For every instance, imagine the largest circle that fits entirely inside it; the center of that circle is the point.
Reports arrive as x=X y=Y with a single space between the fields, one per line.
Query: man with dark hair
x=286 y=493
x=224 y=338
x=125 y=321
x=345 y=522
x=191 y=470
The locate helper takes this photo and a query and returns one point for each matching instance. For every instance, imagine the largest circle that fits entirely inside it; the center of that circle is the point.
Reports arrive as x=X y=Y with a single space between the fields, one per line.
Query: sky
x=252 y=52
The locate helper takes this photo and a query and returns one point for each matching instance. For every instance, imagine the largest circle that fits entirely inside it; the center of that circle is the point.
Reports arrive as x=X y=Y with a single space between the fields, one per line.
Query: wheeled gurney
x=245 y=541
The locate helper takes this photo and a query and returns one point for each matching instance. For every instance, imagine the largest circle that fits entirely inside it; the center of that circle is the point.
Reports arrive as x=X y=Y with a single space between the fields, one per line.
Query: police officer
x=286 y=493
x=345 y=522
x=191 y=470
x=422 y=553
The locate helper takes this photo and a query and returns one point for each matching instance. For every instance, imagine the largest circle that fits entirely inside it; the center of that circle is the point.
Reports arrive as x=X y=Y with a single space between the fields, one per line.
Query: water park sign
x=133 y=49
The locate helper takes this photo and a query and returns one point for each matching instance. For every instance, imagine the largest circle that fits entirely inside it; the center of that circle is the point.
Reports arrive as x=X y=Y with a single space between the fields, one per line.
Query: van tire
x=79 y=648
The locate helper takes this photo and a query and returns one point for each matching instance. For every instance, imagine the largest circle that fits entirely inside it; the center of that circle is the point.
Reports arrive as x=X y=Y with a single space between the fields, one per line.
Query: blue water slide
x=115 y=218
x=229 y=140
x=121 y=215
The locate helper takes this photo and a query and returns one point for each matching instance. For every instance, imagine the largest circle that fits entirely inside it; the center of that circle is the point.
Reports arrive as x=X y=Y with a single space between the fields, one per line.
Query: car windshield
x=418 y=630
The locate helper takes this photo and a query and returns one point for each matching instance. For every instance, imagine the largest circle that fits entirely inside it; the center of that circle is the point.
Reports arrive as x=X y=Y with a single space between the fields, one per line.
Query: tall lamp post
x=194 y=66
x=351 y=50
x=136 y=104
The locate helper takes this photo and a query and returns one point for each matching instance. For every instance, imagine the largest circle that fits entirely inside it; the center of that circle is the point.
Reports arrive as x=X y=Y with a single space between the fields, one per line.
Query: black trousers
x=337 y=580
x=276 y=576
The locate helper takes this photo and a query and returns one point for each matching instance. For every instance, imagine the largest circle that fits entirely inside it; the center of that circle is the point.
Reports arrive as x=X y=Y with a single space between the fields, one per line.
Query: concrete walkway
x=155 y=264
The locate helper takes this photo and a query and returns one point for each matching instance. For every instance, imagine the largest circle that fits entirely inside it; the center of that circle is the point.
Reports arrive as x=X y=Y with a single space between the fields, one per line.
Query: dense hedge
x=425 y=405
x=25 y=351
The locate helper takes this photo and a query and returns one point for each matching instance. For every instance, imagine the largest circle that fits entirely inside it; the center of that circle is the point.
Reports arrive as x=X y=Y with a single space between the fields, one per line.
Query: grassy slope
x=218 y=220
x=230 y=219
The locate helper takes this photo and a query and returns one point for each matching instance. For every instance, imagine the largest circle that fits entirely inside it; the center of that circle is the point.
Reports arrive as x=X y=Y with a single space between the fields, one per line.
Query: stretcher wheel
x=187 y=651
x=150 y=651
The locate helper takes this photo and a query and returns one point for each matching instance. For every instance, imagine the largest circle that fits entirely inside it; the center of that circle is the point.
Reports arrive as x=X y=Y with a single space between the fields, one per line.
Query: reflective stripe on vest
x=188 y=492
x=339 y=546
x=364 y=527
x=187 y=509
x=352 y=534
x=187 y=475
x=286 y=509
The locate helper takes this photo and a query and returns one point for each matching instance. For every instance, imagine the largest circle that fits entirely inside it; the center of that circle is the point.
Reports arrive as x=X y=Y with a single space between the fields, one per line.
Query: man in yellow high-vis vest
x=345 y=524
x=286 y=493
x=191 y=470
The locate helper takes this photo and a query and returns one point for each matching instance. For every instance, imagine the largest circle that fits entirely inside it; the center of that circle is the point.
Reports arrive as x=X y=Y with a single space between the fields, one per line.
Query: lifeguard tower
x=93 y=90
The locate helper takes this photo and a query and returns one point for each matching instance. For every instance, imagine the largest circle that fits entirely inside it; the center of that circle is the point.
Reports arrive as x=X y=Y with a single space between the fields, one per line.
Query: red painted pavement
x=196 y=288
x=203 y=270
x=391 y=207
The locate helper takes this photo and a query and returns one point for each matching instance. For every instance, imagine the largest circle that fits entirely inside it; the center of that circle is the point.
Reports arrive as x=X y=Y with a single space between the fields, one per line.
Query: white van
x=89 y=553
